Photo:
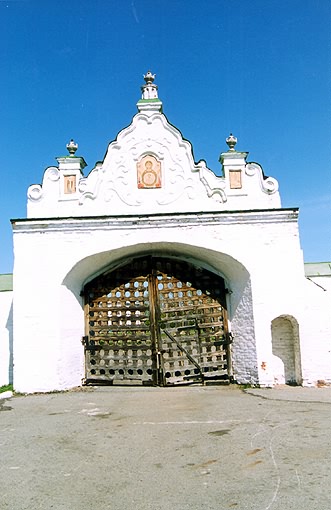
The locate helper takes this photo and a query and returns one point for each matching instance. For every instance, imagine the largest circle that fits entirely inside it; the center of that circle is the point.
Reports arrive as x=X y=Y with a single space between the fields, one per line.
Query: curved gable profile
x=118 y=184
x=175 y=183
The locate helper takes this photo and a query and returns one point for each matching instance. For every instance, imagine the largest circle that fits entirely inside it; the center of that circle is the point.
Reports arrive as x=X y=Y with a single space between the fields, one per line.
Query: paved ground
x=209 y=448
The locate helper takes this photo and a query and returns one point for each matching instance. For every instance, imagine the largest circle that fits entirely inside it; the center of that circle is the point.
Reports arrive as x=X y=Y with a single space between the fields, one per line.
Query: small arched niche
x=286 y=350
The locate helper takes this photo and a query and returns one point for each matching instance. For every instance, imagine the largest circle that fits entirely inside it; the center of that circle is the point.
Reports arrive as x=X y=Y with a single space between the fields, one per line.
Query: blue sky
x=258 y=68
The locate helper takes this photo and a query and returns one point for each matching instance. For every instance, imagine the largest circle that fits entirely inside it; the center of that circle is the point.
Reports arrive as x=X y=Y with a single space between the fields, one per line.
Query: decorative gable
x=150 y=169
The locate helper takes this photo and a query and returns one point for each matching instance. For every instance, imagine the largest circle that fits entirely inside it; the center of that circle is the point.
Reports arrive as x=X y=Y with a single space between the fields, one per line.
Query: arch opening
x=234 y=273
x=237 y=284
x=286 y=350
x=156 y=320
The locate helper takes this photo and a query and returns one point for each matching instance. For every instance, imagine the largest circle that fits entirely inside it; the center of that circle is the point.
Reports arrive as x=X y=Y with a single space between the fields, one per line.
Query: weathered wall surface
x=6 y=338
x=257 y=253
x=286 y=350
x=149 y=196
x=315 y=334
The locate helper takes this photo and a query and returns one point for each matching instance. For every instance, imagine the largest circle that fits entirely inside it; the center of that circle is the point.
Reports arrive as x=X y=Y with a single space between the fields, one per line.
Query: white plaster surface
x=111 y=187
x=241 y=234
x=6 y=327
x=257 y=253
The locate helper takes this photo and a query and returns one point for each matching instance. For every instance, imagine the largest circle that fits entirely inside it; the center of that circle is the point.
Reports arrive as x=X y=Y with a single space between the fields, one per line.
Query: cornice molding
x=155 y=221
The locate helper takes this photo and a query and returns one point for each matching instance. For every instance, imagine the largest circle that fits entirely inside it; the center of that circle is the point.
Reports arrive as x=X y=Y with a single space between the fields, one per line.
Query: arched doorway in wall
x=156 y=320
x=286 y=350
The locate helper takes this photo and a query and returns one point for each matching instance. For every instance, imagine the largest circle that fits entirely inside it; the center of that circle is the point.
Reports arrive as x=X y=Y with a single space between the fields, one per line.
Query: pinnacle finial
x=149 y=89
x=72 y=147
x=149 y=78
x=231 y=142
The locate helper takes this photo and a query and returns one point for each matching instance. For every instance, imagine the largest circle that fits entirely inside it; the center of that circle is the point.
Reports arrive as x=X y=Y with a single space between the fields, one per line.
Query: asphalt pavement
x=182 y=448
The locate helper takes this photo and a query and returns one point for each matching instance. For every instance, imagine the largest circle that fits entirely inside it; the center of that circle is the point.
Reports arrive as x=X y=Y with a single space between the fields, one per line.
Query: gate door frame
x=156 y=321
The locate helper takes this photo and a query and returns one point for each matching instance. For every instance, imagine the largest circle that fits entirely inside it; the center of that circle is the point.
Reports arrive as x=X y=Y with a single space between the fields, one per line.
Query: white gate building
x=153 y=270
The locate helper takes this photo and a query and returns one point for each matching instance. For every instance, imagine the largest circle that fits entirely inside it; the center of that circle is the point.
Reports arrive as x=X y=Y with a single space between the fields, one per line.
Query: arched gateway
x=156 y=320
x=121 y=257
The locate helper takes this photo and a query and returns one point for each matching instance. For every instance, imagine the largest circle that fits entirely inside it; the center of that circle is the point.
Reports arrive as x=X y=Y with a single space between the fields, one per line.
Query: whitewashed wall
x=257 y=253
x=109 y=216
x=315 y=333
x=6 y=338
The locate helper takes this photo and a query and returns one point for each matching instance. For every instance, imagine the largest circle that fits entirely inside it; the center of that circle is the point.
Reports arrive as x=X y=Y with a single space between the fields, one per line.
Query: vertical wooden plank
x=154 y=327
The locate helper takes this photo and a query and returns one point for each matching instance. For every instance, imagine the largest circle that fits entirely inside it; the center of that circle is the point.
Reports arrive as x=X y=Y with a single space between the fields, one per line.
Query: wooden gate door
x=156 y=321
